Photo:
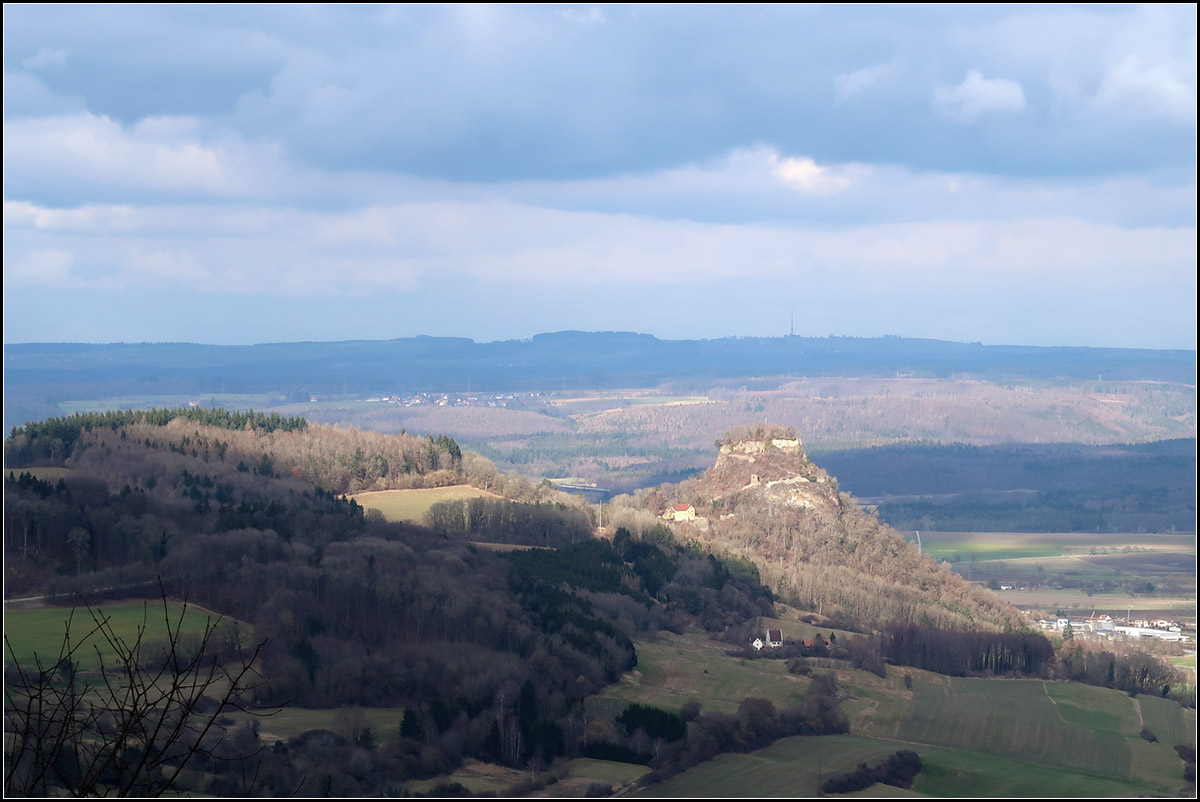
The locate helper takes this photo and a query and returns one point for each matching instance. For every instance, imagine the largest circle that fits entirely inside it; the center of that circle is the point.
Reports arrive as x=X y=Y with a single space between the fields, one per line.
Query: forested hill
x=764 y=500
x=491 y=654
x=560 y=360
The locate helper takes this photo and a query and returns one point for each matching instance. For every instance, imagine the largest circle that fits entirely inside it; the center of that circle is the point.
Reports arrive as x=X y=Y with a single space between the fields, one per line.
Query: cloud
x=86 y=153
x=853 y=83
x=1132 y=87
x=311 y=154
x=543 y=92
x=39 y=267
x=390 y=248
x=806 y=175
x=99 y=219
x=26 y=94
x=45 y=57
x=977 y=96
x=582 y=16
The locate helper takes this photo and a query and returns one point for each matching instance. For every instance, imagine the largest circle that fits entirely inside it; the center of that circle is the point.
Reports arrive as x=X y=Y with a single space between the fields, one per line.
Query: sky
x=242 y=174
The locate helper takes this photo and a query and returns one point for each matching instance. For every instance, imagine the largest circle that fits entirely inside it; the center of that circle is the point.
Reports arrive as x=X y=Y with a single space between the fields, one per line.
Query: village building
x=681 y=512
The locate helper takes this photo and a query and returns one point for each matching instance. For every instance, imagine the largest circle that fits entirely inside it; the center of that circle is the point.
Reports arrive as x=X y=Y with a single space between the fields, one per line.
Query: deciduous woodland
x=492 y=655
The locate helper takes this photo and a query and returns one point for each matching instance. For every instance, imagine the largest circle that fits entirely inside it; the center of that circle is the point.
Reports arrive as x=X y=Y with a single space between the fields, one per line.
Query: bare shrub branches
x=129 y=727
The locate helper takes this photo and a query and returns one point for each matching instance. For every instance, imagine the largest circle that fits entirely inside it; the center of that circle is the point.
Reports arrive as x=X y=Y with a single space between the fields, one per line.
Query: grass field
x=1112 y=603
x=1019 y=719
x=288 y=722
x=794 y=767
x=1011 y=737
x=1070 y=541
x=40 y=631
x=478 y=778
x=1163 y=718
x=679 y=669
x=605 y=771
x=959 y=551
x=1073 y=572
x=411 y=505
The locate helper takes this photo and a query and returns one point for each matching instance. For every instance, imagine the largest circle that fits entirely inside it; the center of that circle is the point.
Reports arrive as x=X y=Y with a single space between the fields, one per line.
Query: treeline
x=756 y=725
x=673 y=742
x=339 y=460
x=958 y=653
x=1133 y=672
x=1031 y=654
x=623 y=580
x=495 y=520
x=898 y=769
x=51 y=441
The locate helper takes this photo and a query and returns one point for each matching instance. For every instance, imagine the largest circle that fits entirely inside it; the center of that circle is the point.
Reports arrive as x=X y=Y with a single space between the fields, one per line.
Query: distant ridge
x=36 y=373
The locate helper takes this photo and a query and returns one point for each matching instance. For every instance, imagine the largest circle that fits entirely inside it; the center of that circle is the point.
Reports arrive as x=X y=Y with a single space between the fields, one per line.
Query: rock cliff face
x=771 y=472
x=766 y=501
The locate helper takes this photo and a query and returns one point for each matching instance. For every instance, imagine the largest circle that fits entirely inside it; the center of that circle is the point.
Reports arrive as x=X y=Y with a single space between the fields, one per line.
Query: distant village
x=449 y=399
x=1105 y=627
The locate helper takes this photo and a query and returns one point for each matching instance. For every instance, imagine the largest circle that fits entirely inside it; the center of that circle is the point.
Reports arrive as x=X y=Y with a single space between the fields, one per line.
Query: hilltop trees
x=338 y=460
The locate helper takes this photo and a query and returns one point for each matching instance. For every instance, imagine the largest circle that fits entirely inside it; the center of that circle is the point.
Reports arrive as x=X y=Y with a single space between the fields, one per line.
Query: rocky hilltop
x=770 y=470
x=766 y=501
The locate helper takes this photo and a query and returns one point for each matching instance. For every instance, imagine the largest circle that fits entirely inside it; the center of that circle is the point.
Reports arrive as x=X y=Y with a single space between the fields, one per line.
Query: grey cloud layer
x=381 y=157
x=533 y=92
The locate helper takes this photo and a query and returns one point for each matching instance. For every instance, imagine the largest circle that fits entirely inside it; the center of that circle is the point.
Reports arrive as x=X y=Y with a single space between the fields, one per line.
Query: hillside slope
x=766 y=501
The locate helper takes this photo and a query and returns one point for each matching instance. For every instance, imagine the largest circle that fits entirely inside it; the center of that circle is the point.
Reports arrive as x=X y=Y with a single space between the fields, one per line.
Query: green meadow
x=37 y=634
x=411 y=505
x=1162 y=717
x=605 y=771
x=795 y=767
x=678 y=669
x=289 y=722
x=1026 y=738
x=965 y=546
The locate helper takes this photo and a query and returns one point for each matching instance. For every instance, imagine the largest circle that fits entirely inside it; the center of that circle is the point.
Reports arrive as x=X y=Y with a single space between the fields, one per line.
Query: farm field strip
x=982 y=541
x=1020 y=737
x=677 y=670
x=1168 y=721
x=476 y=777
x=40 y=630
x=1015 y=719
x=607 y=771
x=1102 y=602
x=289 y=722
x=793 y=767
x=411 y=505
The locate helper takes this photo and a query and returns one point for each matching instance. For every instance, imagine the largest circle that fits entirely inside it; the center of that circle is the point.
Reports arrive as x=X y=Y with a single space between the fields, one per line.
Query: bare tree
x=129 y=727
